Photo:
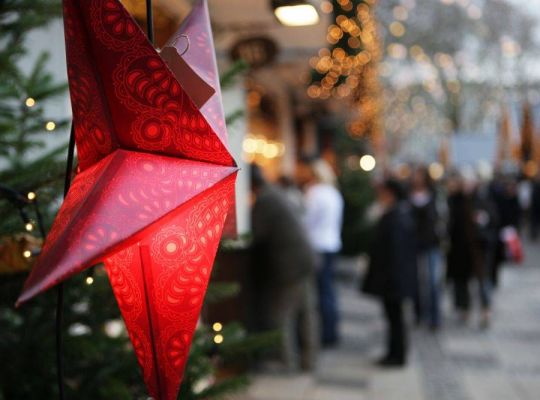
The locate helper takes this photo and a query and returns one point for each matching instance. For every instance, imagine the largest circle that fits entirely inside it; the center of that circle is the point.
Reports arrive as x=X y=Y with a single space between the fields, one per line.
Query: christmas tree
x=23 y=123
x=100 y=363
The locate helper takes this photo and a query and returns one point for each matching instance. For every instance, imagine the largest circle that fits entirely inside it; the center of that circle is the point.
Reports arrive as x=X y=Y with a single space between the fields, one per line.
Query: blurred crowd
x=427 y=235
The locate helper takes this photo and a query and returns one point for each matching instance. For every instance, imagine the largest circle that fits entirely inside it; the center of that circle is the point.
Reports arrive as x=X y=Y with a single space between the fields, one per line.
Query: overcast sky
x=532 y=6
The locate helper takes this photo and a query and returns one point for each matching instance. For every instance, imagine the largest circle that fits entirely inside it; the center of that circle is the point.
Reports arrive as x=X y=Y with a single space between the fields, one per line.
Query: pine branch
x=228 y=78
x=233 y=117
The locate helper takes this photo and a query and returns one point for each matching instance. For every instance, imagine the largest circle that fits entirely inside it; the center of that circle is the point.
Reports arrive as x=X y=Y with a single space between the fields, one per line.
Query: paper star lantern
x=155 y=179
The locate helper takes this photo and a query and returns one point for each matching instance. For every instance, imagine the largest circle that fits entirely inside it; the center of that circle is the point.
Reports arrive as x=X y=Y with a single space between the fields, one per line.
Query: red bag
x=512 y=244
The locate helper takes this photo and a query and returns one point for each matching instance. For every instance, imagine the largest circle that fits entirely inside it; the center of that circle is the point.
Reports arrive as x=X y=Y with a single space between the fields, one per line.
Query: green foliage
x=202 y=380
x=24 y=164
x=229 y=77
x=357 y=190
x=99 y=366
x=218 y=291
x=358 y=195
x=100 y=363
x=234 y=116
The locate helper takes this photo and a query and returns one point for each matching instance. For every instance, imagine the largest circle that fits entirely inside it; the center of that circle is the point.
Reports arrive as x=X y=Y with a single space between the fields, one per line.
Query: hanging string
x=150 y=21
x=60 y=287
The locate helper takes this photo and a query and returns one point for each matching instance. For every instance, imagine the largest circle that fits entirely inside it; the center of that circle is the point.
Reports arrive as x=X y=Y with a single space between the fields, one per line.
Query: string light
x=397 y=29
x=254 y=146
x=31 y=196
x=27 y=254
x=30 y=102
x=89 y=280
x=327 y=7
x=350 y=68
x=50 y=126
x=271 y=150
x=29 y=226
x=367 y=162
x=218 y=339
x=400 y=13
x=217 y=327
x=397 y=51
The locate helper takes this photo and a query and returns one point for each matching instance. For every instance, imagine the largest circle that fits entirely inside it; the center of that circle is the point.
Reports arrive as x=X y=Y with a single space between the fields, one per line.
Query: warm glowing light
x=271 y=150
x=218 y=339
x=297 y=15
x=397 y=50
x=30 y=102
x=400 y=13
x=29 y=227
x=368 y=162
x=327 y=7
x=31 y=196
x=249 y=145
x=50 y=126
x=314 y=91
x=27 y=254
x=436 y=171
x=217 y=327
x=397 y=29
x=260 y=145
x=89 y=280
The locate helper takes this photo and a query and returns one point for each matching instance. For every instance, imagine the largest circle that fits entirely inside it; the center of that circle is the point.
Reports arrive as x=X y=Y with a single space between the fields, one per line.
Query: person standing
x=505 y=197
x=472 y=237
x=323 y=219
x=391 y=275
x=535 y=209
x=430 y=268
x=284 y=268
x=460 y=258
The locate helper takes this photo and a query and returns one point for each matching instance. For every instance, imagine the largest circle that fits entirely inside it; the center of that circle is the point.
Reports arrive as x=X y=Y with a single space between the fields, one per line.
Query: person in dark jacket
x=472 y=236
x=505 y=197
x=535 y=209
x=461 y=254
x=285 y=265
x=430 y=268
x=391 y=274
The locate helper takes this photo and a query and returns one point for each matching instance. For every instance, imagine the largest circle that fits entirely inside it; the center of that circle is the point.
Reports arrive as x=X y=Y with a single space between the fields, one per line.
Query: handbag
x=512 y=244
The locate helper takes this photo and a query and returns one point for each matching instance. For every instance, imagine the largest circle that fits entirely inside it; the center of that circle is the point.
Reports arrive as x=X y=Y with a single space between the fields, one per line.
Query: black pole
x=39 y=218
x=60 y=287
x=59 y=343
x=150 y=21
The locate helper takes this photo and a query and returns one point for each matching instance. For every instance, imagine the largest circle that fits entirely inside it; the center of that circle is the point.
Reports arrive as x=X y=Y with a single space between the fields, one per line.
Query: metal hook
x=188 y=43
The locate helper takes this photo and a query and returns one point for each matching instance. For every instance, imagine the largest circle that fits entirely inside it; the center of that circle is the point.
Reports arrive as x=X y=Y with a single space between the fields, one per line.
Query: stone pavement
x=458 y=363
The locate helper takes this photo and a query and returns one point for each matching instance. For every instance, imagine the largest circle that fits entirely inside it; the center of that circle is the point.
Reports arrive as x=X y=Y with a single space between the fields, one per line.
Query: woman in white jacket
x=323 y=219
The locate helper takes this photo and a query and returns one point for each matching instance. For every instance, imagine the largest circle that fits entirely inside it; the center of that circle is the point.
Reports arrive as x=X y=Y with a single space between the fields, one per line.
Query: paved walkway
x=459 y=363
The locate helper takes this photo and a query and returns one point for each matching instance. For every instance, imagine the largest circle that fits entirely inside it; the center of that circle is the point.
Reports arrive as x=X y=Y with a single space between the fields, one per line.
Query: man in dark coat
x=285 y=266
x=392 y=270
x=472 y=234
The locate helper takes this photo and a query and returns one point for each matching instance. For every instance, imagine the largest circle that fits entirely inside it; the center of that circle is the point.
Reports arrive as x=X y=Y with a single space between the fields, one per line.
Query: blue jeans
x=327 y=299
x=430 y=271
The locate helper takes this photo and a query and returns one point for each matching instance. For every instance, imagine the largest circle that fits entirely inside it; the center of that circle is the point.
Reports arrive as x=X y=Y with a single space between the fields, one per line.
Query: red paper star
x=156 y=180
